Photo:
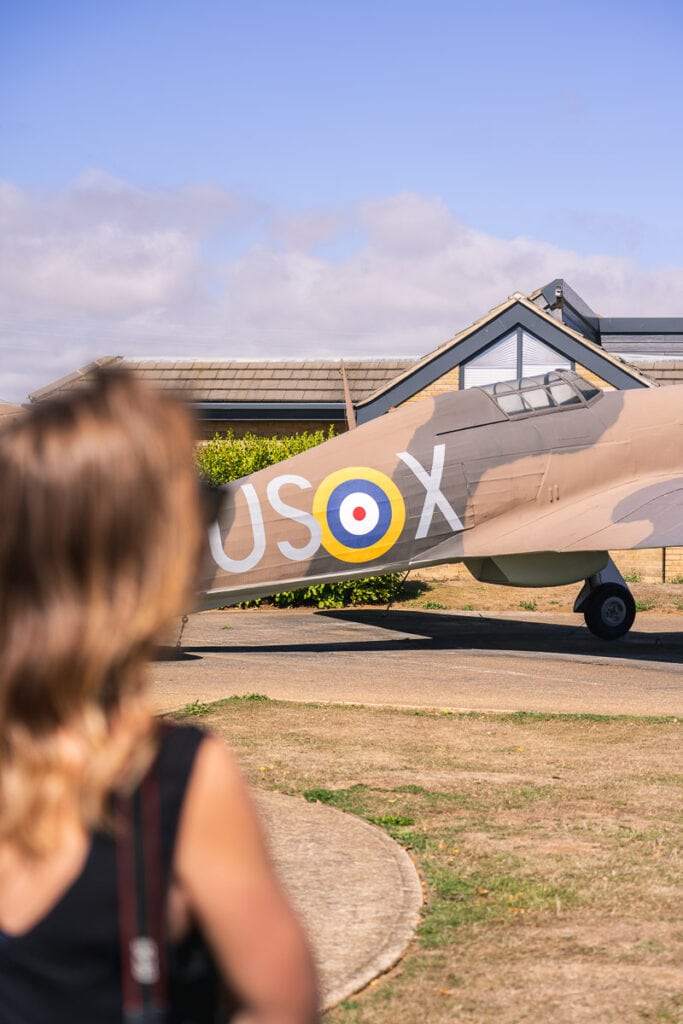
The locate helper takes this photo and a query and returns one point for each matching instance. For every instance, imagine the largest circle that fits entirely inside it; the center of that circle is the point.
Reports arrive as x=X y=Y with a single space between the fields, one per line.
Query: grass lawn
x=451 y=587
x=550 y=846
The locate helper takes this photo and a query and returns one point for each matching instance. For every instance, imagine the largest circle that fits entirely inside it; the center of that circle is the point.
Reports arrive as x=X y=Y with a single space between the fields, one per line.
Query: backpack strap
x=142 y=904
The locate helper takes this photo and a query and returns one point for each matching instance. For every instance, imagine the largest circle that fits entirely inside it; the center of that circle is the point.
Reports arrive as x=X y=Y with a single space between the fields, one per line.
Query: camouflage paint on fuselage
x=455 y=478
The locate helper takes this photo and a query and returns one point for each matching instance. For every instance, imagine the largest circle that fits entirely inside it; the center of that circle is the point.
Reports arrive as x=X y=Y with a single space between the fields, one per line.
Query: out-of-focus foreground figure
x=101 y=535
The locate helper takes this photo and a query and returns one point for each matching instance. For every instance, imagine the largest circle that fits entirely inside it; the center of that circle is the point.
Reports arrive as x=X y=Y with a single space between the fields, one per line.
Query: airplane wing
x=639 y=513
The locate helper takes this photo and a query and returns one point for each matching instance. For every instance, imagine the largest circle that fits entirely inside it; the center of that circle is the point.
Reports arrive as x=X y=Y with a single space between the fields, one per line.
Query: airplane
x=529 y=483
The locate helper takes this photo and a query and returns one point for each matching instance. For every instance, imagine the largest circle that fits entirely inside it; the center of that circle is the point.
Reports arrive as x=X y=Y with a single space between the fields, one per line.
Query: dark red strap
x=127 y=900
x=142 y=904
x=155 y=888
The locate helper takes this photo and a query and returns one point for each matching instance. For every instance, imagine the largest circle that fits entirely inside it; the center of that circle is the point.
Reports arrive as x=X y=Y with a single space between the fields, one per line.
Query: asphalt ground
x=463 y=661
x=357 y=890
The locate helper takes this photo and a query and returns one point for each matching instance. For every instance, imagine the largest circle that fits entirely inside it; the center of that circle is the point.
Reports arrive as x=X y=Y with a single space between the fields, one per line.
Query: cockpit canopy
x=549 y=392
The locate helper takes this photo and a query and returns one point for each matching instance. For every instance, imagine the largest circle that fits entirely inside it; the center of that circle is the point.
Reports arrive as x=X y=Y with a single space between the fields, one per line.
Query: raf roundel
x=361 y=513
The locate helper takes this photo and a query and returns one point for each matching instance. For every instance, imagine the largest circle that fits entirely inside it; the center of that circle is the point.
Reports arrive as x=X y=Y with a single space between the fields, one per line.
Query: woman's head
x=99 y=542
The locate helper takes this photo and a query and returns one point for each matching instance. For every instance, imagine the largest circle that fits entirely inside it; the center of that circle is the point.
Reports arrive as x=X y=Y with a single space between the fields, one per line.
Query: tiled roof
x=643 y=348
x=665 y=372
x=234 y=380
x=8 y=411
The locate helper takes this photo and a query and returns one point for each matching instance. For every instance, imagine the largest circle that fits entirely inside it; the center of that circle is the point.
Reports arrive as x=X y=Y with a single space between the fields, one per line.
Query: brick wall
x=449 y=382
x=642 y=566
x=653 y=565
x=593 y=378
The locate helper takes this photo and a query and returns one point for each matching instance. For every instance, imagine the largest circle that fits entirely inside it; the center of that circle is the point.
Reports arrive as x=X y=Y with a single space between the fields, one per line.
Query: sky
x=289 y=179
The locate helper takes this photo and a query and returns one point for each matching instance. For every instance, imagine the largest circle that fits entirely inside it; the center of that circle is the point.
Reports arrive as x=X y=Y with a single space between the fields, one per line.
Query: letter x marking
x=435 y=498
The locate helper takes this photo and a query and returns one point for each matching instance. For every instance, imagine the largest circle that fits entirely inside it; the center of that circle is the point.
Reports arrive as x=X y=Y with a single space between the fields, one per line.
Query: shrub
x=227 y=458
x=367 y=590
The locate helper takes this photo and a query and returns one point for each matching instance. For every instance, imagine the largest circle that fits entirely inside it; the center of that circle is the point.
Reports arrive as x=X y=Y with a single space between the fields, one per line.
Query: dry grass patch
x=550 y=845
x=452 y=587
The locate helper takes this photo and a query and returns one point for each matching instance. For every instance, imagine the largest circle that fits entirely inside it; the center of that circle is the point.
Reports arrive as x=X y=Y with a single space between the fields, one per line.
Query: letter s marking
x=295 y=554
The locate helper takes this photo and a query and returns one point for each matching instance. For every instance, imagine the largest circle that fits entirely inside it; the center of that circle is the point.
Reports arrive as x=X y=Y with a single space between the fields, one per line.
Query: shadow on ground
x=438 y=631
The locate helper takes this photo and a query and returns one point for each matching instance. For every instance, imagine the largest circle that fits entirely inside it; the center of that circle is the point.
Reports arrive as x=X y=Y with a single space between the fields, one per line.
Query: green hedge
x=227 y=458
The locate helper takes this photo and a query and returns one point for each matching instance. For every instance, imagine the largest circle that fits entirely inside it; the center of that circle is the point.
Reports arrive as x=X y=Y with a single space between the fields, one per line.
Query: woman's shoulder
x=200 y=783
x=193 y=760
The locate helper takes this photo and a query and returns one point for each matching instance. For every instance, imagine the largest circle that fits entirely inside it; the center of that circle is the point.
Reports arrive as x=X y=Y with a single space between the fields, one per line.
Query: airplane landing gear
x=607 y=604
x=609 y=611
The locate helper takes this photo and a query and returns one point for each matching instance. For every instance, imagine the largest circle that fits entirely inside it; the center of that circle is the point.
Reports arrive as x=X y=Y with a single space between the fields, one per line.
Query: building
x=552 y=328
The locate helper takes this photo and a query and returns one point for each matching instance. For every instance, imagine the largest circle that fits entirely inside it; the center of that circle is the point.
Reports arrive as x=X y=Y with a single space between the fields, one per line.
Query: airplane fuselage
x=465 y=476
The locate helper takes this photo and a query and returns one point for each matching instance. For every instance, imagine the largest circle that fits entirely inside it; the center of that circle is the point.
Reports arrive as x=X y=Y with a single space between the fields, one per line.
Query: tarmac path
x=461 y=661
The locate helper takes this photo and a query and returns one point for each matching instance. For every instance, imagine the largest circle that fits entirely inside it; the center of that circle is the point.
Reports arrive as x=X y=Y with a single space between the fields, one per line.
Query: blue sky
x=293 y=178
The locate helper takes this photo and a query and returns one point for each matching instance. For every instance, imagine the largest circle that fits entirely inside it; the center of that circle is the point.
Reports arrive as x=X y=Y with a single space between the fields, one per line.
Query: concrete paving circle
x=357 y=890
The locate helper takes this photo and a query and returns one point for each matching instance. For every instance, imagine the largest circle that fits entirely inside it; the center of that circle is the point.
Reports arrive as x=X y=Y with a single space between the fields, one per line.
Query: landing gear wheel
x=610 y=611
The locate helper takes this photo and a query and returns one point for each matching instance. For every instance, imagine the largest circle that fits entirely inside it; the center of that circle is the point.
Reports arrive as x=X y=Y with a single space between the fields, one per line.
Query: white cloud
x=305 y=229
x=103 y=268
x=107 y=271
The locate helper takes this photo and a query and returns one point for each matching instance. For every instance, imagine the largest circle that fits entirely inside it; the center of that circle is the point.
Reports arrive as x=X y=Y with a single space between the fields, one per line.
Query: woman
x=101 y=536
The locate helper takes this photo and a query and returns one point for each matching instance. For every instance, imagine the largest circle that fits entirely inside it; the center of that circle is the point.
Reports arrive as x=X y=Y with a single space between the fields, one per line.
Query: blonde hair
x=100 y=539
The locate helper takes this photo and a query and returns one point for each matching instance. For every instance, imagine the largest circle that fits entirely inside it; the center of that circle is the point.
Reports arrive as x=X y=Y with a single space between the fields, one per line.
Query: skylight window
x=546 y=393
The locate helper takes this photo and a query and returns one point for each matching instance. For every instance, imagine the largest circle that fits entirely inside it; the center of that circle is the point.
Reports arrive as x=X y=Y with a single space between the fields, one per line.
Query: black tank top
x=66 y=969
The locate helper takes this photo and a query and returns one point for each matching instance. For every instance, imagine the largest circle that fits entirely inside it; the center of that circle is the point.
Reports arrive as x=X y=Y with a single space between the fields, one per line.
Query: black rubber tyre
x=610 y=611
